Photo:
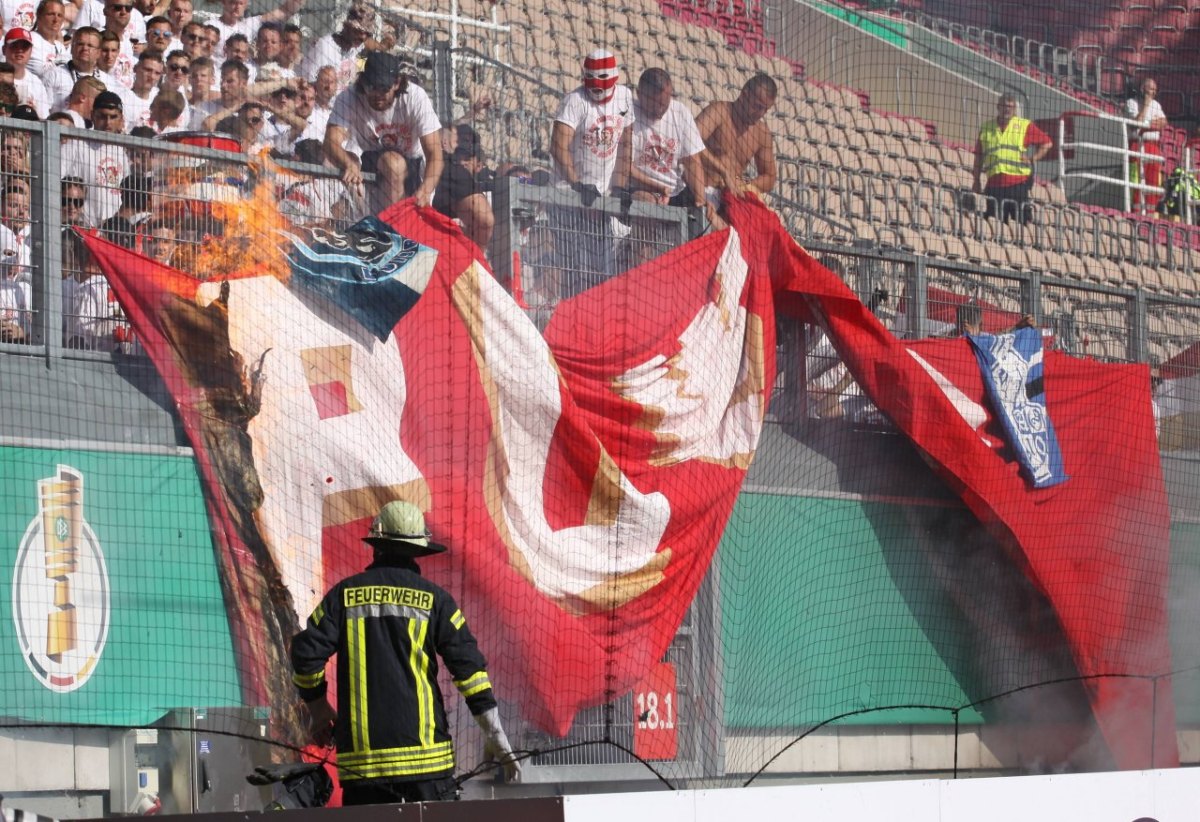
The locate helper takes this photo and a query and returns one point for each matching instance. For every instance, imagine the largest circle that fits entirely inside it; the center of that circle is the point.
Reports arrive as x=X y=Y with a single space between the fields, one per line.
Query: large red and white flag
x=1096 y=546
x=582 y=479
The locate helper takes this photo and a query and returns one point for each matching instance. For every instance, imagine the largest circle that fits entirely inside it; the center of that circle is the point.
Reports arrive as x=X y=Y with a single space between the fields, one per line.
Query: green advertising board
x=840 y=611
x=113 y=612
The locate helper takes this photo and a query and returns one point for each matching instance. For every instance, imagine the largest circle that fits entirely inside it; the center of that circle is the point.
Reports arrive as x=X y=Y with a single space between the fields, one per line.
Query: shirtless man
x=734 y=134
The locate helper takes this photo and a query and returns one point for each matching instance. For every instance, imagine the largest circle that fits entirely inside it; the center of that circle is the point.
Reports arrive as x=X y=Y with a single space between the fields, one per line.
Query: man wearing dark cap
x=392 y=123
x=388 y=626
x=108 y=113
x=102 y=166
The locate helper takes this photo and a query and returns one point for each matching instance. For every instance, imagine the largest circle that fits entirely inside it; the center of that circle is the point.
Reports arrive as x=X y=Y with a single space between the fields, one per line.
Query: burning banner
x=582 y=480
x=583 y=477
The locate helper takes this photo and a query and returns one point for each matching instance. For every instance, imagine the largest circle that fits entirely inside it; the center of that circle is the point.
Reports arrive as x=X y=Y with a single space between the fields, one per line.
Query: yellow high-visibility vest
x=1004 y=151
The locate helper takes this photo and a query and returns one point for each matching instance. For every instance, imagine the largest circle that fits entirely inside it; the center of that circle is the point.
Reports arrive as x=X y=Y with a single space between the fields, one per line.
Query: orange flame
x=250 y=243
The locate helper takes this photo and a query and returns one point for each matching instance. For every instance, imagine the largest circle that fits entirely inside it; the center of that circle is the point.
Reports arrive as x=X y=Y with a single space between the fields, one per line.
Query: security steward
x=1000 y=155
x=388 y=626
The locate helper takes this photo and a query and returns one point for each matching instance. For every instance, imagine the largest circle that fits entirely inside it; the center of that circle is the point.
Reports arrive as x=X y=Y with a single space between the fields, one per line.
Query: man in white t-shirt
x=233 y=19
x=660 y=153
x=84 y=62
x=386 y=125
x=137 y=98
x=18 y=14
x=102 y=166
x=18 y=48
x=589 y=125
x=341 y=49
x=49 y=48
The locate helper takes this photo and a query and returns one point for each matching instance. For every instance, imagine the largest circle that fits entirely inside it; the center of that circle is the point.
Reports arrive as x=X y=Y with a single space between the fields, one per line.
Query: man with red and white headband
x=589 y=125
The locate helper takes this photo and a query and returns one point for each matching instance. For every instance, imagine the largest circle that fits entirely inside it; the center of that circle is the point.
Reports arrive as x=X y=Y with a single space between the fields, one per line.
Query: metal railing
x=1116 y=146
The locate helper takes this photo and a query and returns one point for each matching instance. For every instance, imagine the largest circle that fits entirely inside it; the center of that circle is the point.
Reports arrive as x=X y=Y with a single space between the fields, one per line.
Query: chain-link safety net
x=782 y=437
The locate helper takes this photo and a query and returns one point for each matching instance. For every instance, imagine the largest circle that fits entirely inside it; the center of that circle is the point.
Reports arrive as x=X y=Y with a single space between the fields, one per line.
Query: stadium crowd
x=348 y=100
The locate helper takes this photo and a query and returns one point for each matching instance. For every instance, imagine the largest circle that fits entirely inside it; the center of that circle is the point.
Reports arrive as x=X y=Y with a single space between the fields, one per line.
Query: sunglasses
x=20 y=45
x=116 y=7
x=159 y=34
x=72 y=202
x=195 y=38
x=180 y=67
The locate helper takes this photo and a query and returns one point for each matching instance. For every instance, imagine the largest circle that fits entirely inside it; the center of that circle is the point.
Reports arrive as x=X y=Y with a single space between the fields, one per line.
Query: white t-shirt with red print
x=399 y=127
x=659 y=145
x=598 y=129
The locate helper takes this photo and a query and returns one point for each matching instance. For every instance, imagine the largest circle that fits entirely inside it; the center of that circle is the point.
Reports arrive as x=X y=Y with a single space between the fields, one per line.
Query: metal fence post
x=45 y=235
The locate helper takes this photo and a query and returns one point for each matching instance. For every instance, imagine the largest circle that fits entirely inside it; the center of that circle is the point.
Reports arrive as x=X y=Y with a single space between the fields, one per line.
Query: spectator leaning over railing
x=589 y=125
x=660 y=156
x=1000 y=156
x=1146 y=137
x=735 y=135
x=392 y=123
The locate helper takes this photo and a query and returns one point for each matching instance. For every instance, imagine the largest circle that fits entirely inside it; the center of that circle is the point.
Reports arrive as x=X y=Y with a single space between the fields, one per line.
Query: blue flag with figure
x=1011 y=366
x=369 y=269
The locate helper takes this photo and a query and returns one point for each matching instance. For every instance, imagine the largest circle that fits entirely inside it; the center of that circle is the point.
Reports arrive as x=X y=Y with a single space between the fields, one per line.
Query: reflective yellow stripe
x=473 y=684
x=389 y=763
x=419 y=662
x=317 y=615
x=309 y=680
x=356 y=648
x=458 y=620
x=412 y=753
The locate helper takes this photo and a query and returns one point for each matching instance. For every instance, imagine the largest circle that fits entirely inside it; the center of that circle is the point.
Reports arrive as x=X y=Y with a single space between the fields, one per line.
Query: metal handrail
x=1124 y=153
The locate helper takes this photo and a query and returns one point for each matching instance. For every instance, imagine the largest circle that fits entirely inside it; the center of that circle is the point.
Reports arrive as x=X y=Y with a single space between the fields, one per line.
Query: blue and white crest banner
x=1011 y=366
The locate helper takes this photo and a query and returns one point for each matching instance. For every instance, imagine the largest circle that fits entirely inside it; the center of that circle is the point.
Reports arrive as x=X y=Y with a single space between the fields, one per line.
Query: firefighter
x=388 y=626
